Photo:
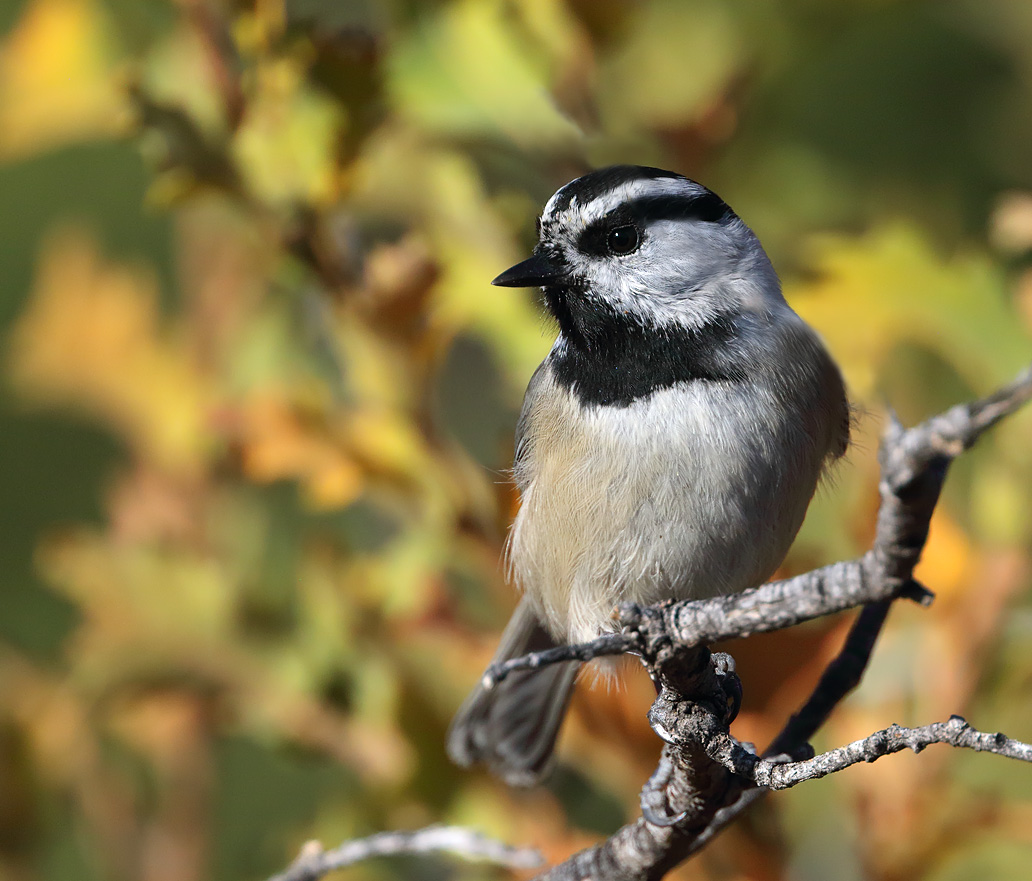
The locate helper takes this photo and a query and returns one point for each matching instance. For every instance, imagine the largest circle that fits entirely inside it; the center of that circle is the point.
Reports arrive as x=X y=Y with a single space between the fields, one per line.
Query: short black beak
x=531 y=273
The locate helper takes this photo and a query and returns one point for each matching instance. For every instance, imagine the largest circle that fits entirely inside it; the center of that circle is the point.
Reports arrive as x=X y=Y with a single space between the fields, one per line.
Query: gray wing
x=522 y=446
x=512 y=728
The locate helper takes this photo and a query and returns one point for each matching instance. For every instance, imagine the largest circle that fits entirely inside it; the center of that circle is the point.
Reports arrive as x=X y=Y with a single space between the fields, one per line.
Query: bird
x=668 y=446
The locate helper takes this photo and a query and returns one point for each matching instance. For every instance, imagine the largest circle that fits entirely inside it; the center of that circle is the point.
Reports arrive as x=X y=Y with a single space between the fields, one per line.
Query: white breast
x=684 y=494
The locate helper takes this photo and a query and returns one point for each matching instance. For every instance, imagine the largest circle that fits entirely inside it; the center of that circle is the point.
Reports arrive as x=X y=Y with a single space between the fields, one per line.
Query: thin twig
x=840 y=677
x=956 y=732
x=774 y=606
x=607 y=644
x=313 y=862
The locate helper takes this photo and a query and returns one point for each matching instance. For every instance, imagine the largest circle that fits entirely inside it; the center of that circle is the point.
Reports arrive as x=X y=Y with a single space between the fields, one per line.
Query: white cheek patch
x=655 y=285
x=632 y=294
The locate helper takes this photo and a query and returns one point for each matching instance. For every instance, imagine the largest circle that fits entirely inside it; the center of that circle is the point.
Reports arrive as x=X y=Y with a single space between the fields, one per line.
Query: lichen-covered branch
x=778 y=773
x=313 y=862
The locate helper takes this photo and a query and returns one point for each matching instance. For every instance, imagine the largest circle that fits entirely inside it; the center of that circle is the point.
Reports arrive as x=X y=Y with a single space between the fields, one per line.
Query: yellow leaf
x=89 y=340
x=286 y=147
x=470 y=244
x=136 y=601
x=466 y=71
x=676 y=59
x=889 y=287
x=280 y=442
x=946 y=563
x=57 y=79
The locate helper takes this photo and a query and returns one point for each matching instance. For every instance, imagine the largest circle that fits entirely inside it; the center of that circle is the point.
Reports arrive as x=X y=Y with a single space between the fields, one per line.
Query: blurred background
x=258 y=399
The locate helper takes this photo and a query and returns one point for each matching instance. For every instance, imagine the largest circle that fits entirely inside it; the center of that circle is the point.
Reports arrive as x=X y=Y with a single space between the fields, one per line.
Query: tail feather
x=512 y=728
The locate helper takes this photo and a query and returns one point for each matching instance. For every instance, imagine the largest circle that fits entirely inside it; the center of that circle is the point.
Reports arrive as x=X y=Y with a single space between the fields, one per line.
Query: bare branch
x=840 y=677
x=773 y=774
x=313 y=862
x=607 y=644
x=774 y=606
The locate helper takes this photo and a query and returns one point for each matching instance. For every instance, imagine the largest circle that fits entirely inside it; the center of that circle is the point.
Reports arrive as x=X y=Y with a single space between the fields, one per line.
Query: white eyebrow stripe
x=625 y=192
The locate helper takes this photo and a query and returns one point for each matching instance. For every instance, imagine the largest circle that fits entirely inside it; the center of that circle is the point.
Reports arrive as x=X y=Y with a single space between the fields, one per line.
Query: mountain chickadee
x=669 y=444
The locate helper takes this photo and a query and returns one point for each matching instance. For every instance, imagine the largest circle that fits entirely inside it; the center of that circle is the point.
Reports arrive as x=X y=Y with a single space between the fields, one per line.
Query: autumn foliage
x=258 y=399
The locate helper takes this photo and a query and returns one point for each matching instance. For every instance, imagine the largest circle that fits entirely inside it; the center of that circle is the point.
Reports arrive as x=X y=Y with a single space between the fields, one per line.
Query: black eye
x=623 y=240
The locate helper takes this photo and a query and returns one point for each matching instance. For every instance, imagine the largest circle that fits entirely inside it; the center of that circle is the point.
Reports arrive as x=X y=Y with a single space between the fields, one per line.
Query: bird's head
x=650 y=247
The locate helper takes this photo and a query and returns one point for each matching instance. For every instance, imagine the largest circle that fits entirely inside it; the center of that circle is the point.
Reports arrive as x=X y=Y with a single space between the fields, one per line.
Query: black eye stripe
x=706 y=207
x=594 y=240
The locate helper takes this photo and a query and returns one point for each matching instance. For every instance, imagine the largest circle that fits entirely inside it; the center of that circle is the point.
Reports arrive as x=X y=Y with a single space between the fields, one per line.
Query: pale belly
x=658 y=500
